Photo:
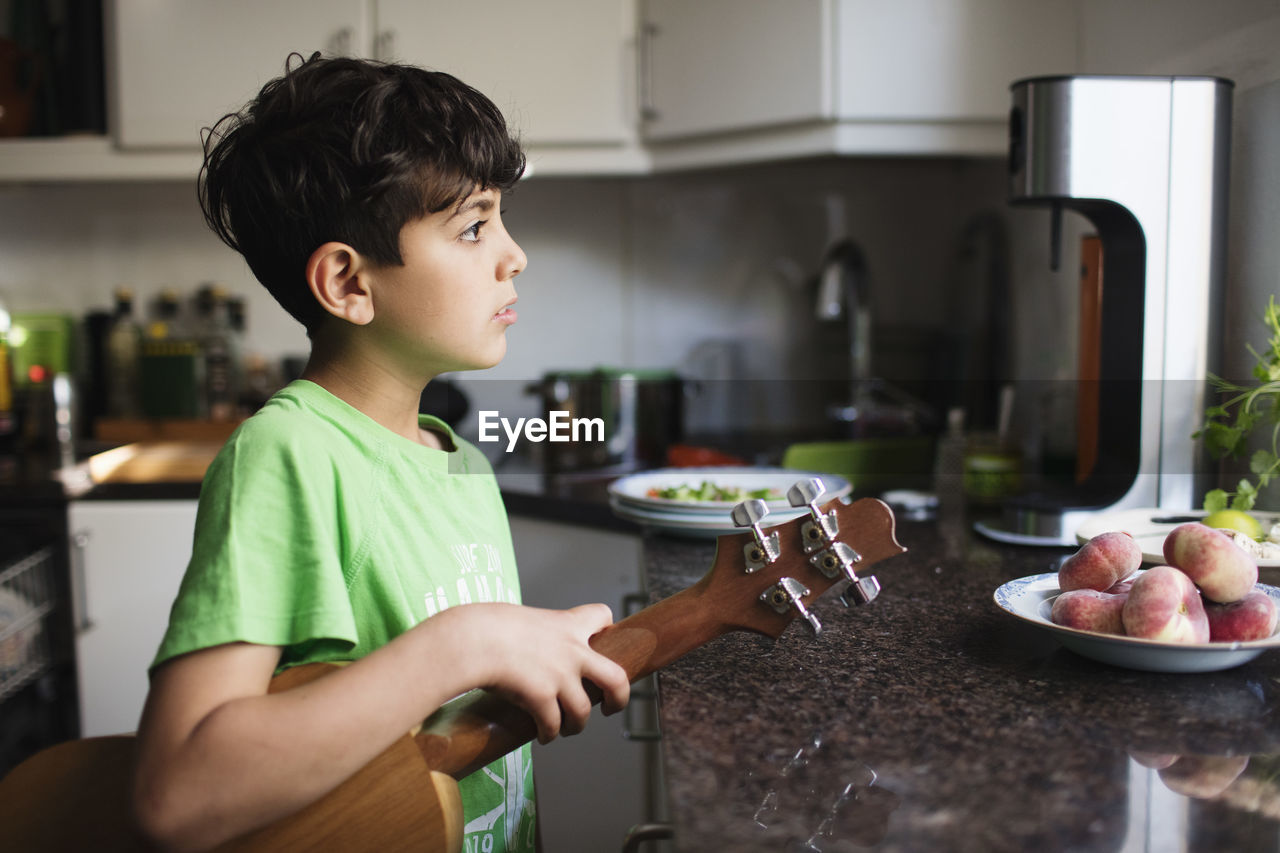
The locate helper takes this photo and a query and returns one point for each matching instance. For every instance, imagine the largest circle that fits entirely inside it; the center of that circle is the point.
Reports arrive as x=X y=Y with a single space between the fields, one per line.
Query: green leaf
x=1245 y=496
x=1262 y=462
x=1215 y=500
x=1239 y=410
x=1221 y=440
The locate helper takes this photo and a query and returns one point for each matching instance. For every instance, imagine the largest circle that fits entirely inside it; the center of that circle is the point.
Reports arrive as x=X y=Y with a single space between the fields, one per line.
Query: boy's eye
x=472 y=234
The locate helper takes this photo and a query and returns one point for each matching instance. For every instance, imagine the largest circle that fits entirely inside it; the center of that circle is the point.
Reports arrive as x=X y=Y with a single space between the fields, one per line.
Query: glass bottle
x=166 y=320
x=219 y=350
x=123 y=342
x=8 y=408
x=171 y=370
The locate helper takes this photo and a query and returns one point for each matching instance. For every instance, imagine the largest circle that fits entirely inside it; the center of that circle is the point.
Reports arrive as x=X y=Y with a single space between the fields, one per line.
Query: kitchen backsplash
x=712 y=273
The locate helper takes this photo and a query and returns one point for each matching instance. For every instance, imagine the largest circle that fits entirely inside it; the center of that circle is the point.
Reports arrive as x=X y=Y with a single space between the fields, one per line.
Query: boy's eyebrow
x=483 y=204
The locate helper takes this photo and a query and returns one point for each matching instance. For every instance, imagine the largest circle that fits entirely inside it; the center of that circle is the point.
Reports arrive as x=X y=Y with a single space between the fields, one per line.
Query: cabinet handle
x=633 y=602
x=643 y=691
x=643 y=832
x=340 y=42
x=384 y=45
x=644 y=79
x=79 y=592
x=649 y=697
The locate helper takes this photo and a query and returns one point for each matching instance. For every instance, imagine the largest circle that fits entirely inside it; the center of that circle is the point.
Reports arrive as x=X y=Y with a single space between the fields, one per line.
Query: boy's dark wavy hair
x=347 y=150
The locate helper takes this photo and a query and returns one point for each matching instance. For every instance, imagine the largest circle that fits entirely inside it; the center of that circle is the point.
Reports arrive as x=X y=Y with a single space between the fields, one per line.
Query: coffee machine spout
x=1145 y=160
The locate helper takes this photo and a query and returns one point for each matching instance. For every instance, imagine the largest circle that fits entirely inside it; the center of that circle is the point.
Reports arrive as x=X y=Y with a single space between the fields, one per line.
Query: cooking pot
x=641 y=412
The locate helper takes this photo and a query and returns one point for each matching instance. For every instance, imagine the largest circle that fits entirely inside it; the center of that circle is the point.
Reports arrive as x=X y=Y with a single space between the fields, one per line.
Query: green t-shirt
x=325 y=533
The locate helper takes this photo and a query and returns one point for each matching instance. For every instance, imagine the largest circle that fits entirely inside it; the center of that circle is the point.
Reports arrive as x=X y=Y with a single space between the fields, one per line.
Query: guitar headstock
x=765 y=577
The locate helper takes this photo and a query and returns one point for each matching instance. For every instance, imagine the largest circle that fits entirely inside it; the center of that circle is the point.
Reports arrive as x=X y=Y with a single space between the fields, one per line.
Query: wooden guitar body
x=76 y=796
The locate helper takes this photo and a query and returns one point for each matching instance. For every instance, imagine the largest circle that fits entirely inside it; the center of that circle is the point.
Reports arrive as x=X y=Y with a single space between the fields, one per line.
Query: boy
x=337 y=524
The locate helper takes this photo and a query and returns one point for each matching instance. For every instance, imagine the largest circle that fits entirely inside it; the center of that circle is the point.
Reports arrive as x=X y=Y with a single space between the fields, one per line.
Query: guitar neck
x=467 y=734
x=479 y=728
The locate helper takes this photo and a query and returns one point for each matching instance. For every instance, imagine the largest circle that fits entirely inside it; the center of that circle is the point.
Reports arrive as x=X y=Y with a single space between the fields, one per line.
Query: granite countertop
x=929 y=719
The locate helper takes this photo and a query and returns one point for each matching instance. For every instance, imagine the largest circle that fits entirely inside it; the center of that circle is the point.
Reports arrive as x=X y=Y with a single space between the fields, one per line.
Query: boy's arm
x=218 y=756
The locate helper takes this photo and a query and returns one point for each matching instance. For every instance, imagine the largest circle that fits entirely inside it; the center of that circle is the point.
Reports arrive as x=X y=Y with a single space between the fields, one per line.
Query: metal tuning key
x=860 y=590
x=789 y=592
x=839 y=560
x=763 y=549
x=820 y=531
x=836 y=561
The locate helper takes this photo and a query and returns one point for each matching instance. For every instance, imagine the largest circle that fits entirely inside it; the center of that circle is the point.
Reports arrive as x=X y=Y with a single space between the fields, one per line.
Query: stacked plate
x=637 y=498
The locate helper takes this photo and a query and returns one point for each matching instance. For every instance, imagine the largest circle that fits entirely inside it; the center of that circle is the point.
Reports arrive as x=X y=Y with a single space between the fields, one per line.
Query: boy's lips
x=507 y=315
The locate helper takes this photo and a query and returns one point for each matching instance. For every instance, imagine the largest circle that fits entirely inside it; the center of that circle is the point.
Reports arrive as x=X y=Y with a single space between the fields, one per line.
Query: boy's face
x=449 y=306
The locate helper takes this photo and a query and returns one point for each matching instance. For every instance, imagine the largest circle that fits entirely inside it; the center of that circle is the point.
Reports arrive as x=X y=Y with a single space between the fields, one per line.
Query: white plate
x=634 y=490
x=1150 y=526
x=695 y=524
x=1031 y=599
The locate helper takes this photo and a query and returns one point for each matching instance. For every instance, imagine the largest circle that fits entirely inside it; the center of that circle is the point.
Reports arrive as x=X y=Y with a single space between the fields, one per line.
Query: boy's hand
x=538 y=659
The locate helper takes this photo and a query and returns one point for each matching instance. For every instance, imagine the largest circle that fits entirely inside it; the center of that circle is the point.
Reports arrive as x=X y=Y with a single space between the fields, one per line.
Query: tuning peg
x=840 y=559
x=789 y=592
x=860 y=590
x=836 y=560
x=822 y=529
x=764 y=548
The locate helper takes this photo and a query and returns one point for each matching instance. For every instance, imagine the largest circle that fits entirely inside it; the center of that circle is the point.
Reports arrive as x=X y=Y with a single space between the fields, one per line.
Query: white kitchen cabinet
x=593 y=86
x=560 y=71
x=177 y=67
x=809 y=77
x=128 y=558
x=174 y=68
x=594 y=786
x=715 y=66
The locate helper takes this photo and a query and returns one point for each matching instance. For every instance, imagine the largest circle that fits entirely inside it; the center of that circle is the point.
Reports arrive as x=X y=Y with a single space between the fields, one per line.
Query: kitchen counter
x=929 y=719
x=173 y=470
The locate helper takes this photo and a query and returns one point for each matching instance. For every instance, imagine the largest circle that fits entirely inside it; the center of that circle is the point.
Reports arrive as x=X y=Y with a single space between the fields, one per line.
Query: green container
x=991 y=474
x=42 y=346
x=872 y=465
x=170 y=378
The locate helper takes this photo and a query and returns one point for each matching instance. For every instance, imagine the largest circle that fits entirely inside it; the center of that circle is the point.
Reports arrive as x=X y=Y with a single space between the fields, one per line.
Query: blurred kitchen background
x=682 y=240
x=693 y=165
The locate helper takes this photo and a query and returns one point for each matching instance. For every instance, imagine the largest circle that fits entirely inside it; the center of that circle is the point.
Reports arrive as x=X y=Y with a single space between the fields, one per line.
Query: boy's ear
x=336 y=274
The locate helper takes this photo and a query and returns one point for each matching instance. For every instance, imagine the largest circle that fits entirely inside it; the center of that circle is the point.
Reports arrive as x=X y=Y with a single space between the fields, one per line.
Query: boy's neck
x=385 y=399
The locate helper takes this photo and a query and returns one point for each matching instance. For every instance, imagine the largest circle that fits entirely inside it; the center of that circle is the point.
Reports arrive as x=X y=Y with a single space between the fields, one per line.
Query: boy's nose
x=515 y=262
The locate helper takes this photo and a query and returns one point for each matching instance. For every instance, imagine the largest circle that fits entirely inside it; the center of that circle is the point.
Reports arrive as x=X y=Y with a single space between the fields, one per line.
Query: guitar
x=76 y=795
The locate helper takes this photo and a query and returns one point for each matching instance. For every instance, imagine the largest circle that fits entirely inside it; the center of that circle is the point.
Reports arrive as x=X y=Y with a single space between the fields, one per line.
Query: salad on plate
x=709 y=491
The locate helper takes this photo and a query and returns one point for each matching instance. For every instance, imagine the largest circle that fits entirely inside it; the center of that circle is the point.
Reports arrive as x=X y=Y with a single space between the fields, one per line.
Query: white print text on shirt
x=480 y=566
x=516 y=810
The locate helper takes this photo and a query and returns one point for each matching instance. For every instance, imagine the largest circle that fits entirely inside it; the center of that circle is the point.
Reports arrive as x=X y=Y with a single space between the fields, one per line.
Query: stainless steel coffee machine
x=1145 y=160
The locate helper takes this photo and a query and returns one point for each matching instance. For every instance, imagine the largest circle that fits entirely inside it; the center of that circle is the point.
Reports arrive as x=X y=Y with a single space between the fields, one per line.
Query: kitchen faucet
x=843 y=292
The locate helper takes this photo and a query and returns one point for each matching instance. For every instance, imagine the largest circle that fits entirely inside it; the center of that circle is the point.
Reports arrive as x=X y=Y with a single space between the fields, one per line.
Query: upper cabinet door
x=942 y=60
x=178 y=67
x=725 y=65
x=903 y=74
x=560 y=70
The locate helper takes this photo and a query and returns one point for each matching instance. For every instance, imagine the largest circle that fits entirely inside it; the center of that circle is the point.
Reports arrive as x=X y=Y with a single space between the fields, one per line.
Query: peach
x=1165 y=605
x=1102 y=562
x=1222 y=570
x=1203 y=776
x=1251 y=618
x=1153 y=760
x=1121 y=588
x=1089 y=610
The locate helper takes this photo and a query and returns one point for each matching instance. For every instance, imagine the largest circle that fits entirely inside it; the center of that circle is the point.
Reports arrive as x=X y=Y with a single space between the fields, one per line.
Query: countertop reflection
x=931 y=720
